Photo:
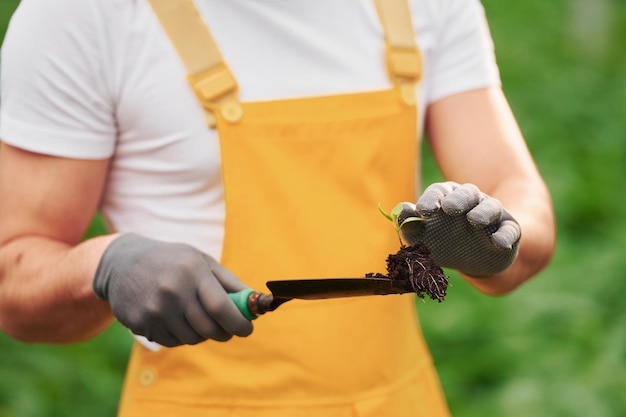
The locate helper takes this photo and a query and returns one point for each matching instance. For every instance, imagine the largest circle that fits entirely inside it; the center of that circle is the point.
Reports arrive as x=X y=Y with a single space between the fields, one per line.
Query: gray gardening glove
x=170 y=293
x=463 y=228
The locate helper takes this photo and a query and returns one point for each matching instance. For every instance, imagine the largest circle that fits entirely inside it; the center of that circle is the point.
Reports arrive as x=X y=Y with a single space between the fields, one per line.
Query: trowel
x=253 y=303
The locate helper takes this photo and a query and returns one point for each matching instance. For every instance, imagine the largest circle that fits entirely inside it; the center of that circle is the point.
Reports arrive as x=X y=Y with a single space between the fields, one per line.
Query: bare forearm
x=530 y=204
x=46 y=290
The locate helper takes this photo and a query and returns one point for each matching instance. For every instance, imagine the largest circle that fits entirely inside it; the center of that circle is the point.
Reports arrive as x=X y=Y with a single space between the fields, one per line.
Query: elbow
x=25 y=325
x=19 y=334
x=34 y=333
x=17 y=327
x=18 y=318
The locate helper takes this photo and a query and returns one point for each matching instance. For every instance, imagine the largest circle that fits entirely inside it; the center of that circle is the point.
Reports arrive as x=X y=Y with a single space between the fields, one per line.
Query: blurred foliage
x=555 y=347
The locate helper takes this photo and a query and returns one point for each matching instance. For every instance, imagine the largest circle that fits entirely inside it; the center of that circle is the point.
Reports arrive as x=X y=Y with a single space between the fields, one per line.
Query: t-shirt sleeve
x=55 y=92
x=464 y=57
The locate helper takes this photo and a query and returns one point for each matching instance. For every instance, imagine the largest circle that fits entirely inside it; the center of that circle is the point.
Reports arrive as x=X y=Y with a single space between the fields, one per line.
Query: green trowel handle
x=253 y=303
x=241 y=301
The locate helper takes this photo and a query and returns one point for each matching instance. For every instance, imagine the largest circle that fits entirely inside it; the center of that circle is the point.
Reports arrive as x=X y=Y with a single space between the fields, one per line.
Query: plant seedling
x=402 y=219
x=413 y=262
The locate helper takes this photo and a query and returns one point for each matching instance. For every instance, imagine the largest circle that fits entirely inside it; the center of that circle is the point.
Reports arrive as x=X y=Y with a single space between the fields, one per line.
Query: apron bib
x=303 y=179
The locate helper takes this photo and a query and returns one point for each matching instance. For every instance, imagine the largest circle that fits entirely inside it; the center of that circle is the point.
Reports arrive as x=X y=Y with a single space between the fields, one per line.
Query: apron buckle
x=216 y=89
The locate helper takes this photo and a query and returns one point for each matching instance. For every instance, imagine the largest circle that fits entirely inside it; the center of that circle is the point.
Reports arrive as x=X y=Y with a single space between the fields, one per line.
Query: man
x=257 y=149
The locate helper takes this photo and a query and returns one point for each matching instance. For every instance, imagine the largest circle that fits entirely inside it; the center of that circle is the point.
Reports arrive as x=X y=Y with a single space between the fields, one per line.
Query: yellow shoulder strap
x=217 y=89
x=404 y=61
x=207 y=72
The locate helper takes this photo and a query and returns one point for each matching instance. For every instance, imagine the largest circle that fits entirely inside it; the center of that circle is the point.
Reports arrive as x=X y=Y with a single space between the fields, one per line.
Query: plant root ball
x=413 y=264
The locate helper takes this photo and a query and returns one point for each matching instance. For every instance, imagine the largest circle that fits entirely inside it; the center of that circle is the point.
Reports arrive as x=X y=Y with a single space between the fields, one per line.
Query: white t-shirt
x=93 y=79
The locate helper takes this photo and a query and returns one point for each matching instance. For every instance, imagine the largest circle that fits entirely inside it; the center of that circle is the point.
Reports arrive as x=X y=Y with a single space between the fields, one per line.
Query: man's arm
x=475 y=139
x=169 y=292
x=46 y=205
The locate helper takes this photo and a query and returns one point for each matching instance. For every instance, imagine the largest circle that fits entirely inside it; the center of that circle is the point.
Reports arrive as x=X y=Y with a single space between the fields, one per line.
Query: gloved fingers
x=161 y=336
x=179 y=326
x=507 y=235
x=430 y=200
x=165 y=323
x=204 y=326
x=408 y=210
x=219 y=307
x=461 y=199
x=487 y=212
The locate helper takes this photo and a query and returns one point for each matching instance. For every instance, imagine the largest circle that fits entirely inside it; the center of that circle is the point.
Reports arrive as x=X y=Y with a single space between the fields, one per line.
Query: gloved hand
x=463 y=228
x=170 y=293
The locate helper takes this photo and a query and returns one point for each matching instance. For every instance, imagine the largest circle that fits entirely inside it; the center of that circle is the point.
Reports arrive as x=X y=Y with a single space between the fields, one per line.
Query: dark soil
x=413 y=264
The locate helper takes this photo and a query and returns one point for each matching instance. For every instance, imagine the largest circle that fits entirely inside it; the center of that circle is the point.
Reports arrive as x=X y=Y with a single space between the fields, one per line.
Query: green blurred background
x=557 y=346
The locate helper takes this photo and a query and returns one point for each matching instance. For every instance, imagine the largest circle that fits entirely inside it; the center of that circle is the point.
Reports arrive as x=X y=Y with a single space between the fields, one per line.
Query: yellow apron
x=303 y=179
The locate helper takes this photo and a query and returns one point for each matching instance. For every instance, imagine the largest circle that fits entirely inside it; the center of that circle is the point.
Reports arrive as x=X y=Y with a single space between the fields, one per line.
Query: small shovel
x=253 y=303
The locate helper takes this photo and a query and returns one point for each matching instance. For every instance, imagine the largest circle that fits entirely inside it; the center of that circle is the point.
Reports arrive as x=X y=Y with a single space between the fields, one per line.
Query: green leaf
x=384 y=213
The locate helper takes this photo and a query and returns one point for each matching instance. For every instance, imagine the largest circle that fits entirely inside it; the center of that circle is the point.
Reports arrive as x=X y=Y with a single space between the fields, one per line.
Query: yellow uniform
x=302 y=180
